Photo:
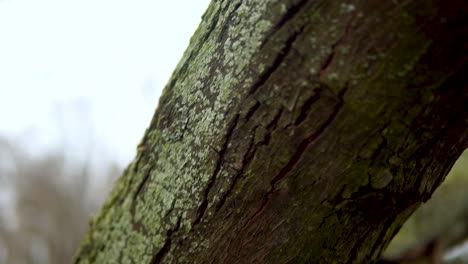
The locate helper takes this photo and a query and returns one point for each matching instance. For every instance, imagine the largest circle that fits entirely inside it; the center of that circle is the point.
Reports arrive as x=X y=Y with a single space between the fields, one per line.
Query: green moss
x=138 y=227
x=182 y=147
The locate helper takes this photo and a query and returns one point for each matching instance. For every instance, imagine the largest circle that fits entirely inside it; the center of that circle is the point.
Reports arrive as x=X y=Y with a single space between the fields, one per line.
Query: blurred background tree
x=62 y=139
x=47 y=201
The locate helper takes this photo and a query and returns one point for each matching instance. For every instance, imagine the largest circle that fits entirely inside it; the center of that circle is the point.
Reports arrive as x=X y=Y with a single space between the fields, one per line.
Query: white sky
x=90 y=68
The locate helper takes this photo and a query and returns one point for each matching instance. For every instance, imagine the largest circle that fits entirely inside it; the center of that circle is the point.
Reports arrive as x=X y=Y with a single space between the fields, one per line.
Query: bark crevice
x=219 y=164
x=296 y=157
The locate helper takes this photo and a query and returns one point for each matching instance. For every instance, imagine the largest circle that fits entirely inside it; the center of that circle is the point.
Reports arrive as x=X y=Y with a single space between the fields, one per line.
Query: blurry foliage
x=52 y=198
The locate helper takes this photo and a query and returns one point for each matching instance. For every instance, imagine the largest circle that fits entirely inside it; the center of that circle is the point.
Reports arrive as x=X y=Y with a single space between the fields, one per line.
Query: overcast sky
x=90 y=68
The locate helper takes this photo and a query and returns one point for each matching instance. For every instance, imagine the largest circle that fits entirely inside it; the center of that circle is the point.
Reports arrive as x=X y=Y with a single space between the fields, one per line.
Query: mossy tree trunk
x=293 y=132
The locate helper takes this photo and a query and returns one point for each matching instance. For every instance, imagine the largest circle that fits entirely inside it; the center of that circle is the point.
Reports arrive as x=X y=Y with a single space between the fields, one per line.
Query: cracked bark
x=310 y=140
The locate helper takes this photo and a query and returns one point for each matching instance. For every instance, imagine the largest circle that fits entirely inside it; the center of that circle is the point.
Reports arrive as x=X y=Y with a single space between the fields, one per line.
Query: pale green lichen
x=138 y=227
x=207 y=82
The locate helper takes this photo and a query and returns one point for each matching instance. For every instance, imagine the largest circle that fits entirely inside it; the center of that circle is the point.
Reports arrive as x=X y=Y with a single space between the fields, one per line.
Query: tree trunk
x=293 y=132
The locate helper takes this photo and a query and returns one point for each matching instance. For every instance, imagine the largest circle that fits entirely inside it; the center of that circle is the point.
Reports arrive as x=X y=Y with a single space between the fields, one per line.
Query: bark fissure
x=219 y=163
x=272 y=125
x=245 y=161
x=307 y=105
x=426 y=166
x=251 y=111
x=305 y=143
x=139 y=191
x=363 y=236
x=289 y=16
x=276 y=63
x=222 y=35
x=334 y=46
x=383 y=234
x=159 y=256
x=143 y=182
x=248 y=156
x=297 y=156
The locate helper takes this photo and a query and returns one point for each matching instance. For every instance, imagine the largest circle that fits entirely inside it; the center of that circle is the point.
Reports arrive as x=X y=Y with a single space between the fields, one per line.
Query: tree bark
x=293 y=132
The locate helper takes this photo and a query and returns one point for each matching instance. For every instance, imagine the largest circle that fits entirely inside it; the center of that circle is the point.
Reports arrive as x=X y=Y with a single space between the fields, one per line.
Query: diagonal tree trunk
x=293 y=132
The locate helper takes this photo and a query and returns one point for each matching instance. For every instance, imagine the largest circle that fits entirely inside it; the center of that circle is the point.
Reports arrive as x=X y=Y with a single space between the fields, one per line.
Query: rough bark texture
x=293 y=132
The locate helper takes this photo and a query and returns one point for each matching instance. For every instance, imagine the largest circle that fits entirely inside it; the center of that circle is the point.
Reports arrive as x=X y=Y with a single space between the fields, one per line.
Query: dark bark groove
x=293 y=132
